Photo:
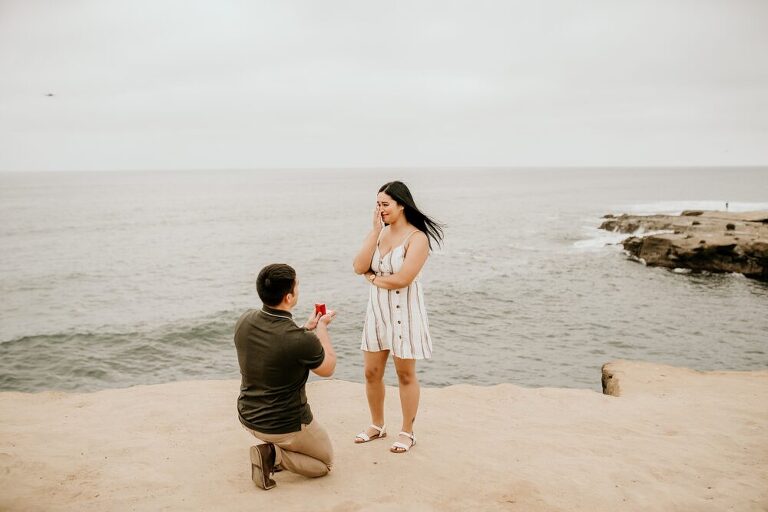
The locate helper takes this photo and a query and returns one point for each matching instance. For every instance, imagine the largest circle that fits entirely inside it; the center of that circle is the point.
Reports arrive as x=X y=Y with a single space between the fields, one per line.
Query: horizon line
x=400 y=167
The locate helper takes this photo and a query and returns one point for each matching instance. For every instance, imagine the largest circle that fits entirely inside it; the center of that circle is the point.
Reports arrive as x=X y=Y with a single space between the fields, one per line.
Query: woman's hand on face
x=378 y=223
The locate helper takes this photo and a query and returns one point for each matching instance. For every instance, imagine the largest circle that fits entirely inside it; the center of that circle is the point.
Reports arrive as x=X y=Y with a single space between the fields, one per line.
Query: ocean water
x=116 y=279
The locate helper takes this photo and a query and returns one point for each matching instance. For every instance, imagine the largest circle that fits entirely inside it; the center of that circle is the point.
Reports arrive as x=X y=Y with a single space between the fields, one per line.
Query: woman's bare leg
x=375 y=364
x=409 y=394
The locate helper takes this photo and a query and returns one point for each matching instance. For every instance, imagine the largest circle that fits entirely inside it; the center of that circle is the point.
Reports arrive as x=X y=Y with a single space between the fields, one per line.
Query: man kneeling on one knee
x=275 y=356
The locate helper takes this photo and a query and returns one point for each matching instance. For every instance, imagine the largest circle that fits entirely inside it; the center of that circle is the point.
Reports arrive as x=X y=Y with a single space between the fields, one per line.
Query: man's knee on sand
x=303 y=464
x=326 y=468
x=320 y=472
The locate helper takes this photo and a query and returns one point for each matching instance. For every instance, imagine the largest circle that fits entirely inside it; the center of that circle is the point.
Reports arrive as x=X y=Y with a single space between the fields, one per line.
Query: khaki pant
x=307 y=452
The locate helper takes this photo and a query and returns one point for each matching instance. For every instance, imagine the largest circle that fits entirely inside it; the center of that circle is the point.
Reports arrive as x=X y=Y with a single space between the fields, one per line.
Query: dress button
x=398 y=306
x=398 y=321
x=397 y=292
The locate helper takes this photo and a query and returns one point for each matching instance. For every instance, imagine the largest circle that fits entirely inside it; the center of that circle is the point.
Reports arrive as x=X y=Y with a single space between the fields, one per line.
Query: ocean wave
x=601 y=238
x=97 y=359
x=598 y=239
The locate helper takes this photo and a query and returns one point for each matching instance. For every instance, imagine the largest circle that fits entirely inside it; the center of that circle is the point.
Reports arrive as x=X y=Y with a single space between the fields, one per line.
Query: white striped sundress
x=396 y=320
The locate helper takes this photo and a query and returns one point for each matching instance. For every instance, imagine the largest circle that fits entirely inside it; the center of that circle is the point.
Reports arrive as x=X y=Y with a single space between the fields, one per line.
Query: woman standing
x=391 y=258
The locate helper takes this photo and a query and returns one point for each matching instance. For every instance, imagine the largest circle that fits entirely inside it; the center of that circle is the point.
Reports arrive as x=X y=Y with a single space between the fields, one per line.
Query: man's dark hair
x=275 y=282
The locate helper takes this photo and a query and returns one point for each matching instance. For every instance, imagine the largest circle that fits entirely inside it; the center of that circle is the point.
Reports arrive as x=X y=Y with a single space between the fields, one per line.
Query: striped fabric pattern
x=396 y=320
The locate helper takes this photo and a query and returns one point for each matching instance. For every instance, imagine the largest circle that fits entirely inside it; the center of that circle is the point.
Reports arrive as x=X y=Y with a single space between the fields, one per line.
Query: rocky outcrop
x=610 y=380
x=698 y=240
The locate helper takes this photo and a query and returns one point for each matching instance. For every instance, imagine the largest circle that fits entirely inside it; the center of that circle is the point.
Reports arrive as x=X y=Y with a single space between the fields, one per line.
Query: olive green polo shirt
x=275 y=357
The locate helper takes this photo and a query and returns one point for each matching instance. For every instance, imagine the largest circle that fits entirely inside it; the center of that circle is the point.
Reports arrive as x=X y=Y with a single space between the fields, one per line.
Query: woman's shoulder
x=414 y=232
x=416 y=235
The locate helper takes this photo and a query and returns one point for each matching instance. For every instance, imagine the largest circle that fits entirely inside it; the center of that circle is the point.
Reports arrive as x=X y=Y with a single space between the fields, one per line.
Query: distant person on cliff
x=275 y=356
x=391 y=258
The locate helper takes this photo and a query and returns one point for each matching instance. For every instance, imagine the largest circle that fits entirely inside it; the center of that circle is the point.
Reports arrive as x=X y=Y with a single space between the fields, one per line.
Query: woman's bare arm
x=415 y=257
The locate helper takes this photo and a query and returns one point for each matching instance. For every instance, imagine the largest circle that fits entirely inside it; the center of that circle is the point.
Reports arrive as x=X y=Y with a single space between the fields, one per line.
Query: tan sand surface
x=675 y=439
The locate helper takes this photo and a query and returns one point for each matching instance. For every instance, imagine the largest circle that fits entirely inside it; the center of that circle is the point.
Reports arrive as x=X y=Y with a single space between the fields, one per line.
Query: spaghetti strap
x=405 y=240
x=378 y=239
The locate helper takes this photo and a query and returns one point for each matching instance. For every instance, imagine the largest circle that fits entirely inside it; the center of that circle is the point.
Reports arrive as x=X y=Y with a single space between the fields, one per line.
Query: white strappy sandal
x=399 y=447
x=362 y=437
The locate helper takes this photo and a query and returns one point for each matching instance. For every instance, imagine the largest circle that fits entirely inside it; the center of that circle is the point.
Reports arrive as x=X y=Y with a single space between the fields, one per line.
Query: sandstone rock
x=717 y=249
x=633 y=223
x=610 y=380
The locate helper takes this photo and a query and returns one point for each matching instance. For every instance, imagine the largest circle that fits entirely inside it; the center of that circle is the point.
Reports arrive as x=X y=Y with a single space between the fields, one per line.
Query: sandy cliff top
x=674 y=439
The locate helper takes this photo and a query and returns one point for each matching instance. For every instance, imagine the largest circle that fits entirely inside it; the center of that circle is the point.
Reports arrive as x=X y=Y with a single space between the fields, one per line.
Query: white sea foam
x=600 y=238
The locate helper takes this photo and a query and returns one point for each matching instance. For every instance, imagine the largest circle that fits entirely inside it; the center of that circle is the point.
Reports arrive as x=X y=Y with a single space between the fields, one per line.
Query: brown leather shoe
x=262 y=465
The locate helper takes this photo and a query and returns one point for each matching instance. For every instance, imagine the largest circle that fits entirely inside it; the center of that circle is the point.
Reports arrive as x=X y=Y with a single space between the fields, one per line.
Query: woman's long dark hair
x=398 y=191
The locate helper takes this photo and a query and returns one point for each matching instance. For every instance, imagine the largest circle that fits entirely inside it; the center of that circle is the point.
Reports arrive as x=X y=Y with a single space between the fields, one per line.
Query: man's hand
x=327 y=318
x=328 y=366
x=312 y=321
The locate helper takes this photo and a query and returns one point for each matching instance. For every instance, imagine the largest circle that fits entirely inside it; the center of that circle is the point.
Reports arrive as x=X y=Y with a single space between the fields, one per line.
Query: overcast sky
x=156 y=84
